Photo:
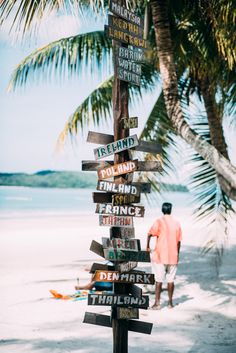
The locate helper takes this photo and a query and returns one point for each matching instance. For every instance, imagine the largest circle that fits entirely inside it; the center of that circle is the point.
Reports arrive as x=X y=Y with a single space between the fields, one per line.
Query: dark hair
x=166 y=207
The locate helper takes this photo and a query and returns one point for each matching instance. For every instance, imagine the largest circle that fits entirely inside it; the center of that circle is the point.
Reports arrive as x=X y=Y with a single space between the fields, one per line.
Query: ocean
x=26 y=201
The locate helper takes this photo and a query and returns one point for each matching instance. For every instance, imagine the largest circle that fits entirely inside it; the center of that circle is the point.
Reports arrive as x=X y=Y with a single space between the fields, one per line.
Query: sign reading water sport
x=116 y=147
x=117 y=169
x=118 y=188
x=124 y=210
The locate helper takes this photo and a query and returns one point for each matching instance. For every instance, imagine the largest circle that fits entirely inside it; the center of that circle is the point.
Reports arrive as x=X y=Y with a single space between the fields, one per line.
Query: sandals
x=155 y=307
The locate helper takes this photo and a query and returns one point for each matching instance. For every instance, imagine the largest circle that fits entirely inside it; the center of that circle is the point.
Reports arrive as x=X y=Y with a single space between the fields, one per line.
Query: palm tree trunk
x=170 y=89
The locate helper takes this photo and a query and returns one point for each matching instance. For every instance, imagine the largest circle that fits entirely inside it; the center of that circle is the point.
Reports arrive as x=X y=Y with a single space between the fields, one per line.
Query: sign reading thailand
x=116 y=147
x=129 y=277
x=118 y=299
x=124 y=210
x=117 y=169
x=115 y=221
x=109 y=186
x=125 y=13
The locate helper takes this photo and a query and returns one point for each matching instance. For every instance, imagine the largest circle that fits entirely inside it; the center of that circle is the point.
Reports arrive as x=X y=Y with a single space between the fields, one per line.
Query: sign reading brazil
x=122 y=300
x=124 y=210
x=126 y=255
x=116 y=147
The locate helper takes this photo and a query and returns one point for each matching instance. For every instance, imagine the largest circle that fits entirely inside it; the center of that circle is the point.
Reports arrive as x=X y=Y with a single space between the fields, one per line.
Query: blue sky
x=33 y=117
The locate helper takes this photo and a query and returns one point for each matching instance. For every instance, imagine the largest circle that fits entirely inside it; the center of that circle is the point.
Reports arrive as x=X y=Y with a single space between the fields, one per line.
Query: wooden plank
x=103 y=267
x=105 y=320
x=128 y=76
x=143 y=146
x=126 y=255
x=119 y=243
x=122 y=11
x=117 y=169
x=128 y=189
x=120 y=199
x=143 y=166
x=125 y=26
x=97 y=248
x=135 y=290
x=116 y=221
x=127 y=313
x=144 y=187
x=116 y=147
x=124 y=210
x=119 y=300
x=129 y=123
x=124 y=233
x=102 y=197
x=125 y=38
x=126 y=277
x=136 y=55
x=127 y=266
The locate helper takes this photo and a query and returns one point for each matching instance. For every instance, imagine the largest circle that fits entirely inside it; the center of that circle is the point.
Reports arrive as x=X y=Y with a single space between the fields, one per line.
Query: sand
x=42 y=253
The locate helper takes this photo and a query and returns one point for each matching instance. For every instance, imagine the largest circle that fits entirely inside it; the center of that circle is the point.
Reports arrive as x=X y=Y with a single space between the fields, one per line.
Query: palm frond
x=66 y=56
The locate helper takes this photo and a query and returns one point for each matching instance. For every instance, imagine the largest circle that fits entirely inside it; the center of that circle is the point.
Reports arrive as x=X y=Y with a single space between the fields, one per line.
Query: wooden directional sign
x=122 y=11
x=127 y=313
x=109 y=186
x=124 y=233
x=134 y=290
x=119 y=300
x=144 y=146
x=119 y=243
x=116 y=147
x=127 y=277
x=129 y=123
x=117 y=169
x=116 y=221
x=136 y=55
x=125 y=26
x=97 y=248
x=103 y=267
x=129 y=76
x=118 y=200
x=128 y=65
x=125 y=210
x=108 y=169
x=126 y=255
x=124 y=37
x=105 y=320
x=127 y=266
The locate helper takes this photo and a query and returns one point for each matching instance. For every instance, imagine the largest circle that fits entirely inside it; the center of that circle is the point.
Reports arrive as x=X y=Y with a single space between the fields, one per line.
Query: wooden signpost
x=116 y=201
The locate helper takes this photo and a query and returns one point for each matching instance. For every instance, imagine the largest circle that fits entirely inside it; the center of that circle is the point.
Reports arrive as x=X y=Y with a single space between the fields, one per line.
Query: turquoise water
x=24 y=200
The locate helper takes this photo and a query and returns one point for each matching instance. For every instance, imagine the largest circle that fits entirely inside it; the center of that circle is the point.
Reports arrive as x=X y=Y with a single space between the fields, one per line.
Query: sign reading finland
x=109 y=186
x=116 y=147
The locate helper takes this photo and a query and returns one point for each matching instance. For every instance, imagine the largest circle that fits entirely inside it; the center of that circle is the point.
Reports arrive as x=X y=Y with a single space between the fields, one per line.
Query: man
x=166 y=253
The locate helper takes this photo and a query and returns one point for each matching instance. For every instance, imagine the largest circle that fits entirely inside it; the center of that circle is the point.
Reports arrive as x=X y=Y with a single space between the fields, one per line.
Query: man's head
x=166 y=208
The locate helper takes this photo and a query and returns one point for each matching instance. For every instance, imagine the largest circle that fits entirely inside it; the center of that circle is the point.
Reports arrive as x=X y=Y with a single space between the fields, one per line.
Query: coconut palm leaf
x=65 y=57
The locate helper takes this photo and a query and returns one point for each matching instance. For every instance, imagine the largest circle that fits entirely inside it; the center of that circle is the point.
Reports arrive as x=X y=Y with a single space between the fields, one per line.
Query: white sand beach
x=42 y=253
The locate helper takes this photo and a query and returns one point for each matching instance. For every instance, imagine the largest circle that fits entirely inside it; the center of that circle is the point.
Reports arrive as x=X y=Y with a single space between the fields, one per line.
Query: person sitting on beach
x=98 y=286
x=165 y=256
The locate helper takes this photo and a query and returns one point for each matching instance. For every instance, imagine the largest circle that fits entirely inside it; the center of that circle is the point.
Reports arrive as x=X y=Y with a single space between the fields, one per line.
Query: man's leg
x=170 y=287
x=158 y=294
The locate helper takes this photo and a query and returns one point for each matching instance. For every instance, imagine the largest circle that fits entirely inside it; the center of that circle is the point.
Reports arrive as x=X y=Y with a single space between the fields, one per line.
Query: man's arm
x=148 y=242
x=178 y=245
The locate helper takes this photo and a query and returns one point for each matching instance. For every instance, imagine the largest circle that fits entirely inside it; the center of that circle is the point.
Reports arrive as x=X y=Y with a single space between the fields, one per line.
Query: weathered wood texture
x=130 y=277
x=144 y=146
x=119 y=200
x=128 y=189
x=135 y=290
x=118 y=300
x=127 y=266
x=127 y=313
x=121 y=36
x=101 y=267
x=126 y=255
x=97 y=248
x=129 y=123
x=121 y=10
x=128 y=76
x=125 y=26
x=116 y=221
x=105 y=320
x=110 y=171
x=131 y=244
x=124 y=233
x=125 y=210
x=143 y=166
x=116 y=147
x=136 y=55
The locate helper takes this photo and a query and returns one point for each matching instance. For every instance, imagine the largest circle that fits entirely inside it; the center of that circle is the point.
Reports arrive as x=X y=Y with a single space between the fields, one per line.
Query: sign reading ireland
x=116 y=147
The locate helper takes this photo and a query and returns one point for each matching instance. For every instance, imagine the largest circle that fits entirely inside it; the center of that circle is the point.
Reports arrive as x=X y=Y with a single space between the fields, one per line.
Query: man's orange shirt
x=168 y=233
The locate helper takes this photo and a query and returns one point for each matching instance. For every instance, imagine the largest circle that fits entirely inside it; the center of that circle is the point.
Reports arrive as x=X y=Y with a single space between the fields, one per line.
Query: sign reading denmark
x=122 y=300
x=115 y=221
x=129 y=277
x=124 y=210
x=109 y=186
x=116 y=147
x=117 y=169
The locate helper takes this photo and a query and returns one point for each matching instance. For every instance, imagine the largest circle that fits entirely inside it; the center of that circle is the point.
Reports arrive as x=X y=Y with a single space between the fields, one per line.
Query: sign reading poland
x=117 y=169
x=116 y=147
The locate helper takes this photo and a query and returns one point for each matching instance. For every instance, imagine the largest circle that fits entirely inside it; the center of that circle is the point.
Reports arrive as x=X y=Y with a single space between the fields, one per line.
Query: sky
x=33 y=117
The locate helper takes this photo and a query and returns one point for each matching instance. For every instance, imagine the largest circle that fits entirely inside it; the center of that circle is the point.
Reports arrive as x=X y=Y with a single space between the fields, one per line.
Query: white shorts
x=164 y=272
